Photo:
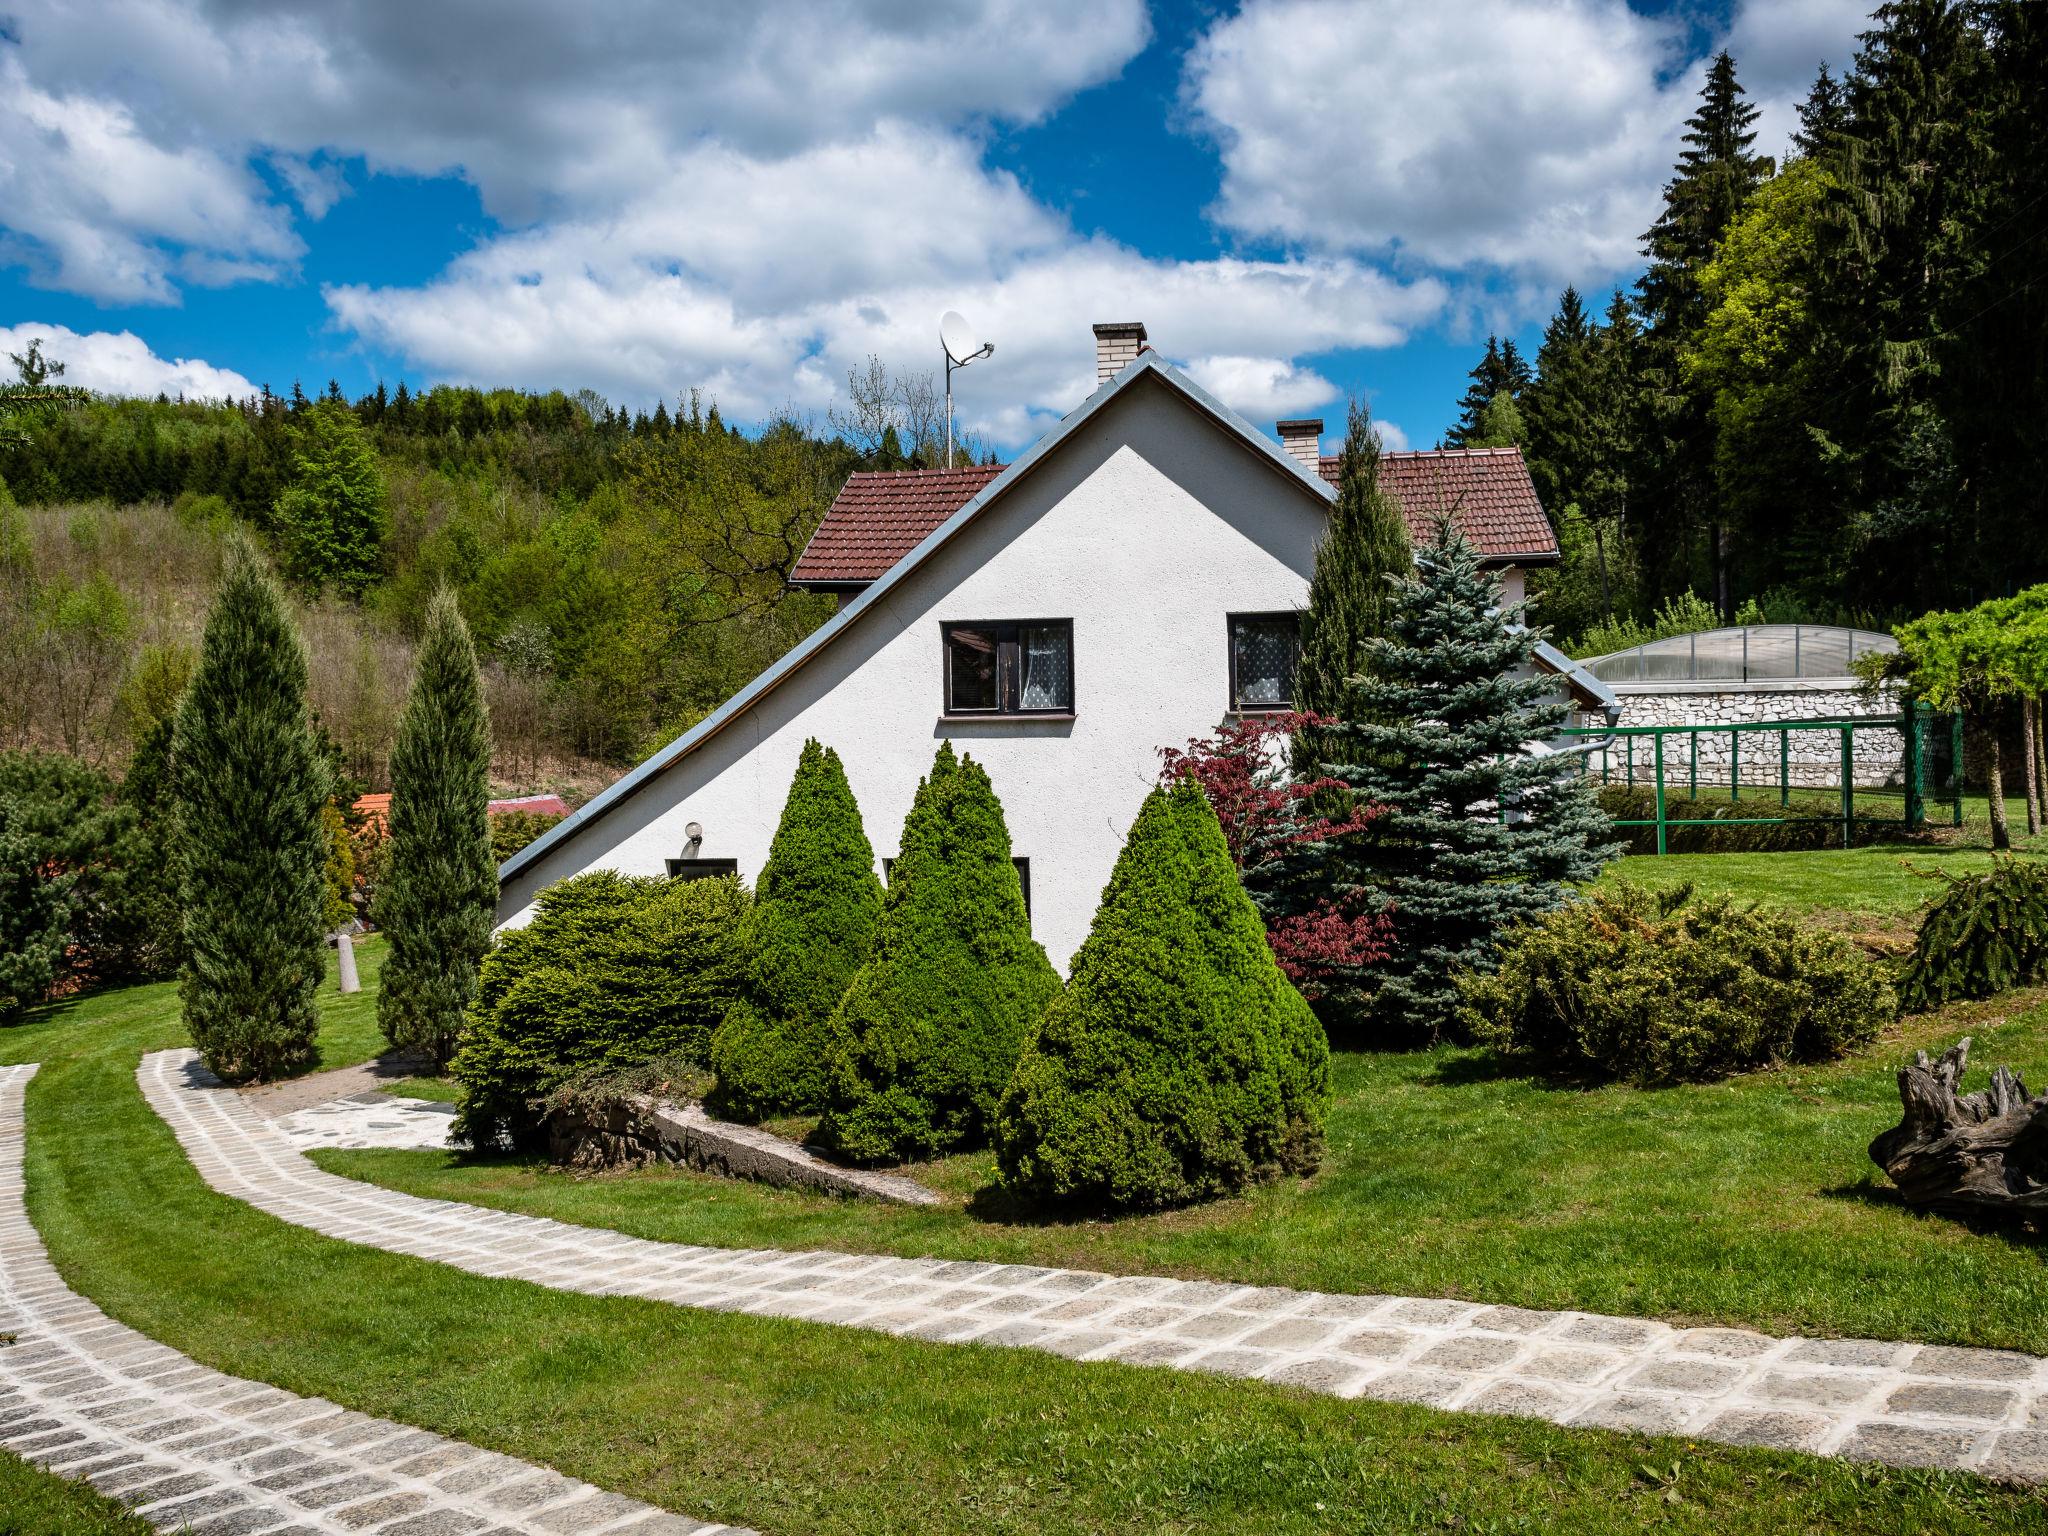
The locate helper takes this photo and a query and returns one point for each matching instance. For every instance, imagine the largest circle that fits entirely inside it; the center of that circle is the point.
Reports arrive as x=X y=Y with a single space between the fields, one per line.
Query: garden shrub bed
x=1665 y=986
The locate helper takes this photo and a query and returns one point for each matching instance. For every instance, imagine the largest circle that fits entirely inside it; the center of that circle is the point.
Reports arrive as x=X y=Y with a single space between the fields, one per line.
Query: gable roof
x=1147 y=365
x=1487 y=492
x=879 y=516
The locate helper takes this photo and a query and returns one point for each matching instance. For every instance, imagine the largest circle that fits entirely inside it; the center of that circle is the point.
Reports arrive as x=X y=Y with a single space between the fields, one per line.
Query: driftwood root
x=1977 y=1154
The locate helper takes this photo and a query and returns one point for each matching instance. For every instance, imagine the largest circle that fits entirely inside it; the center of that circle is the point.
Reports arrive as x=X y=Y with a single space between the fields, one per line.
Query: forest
x=1824 y=399
x=623 y=572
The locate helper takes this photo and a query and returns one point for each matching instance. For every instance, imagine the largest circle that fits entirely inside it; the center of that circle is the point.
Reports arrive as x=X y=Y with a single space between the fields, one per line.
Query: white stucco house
x=1126 y=584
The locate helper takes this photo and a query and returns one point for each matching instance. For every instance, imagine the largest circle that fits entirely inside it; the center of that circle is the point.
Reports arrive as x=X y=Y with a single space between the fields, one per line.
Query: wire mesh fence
x=1859 y=775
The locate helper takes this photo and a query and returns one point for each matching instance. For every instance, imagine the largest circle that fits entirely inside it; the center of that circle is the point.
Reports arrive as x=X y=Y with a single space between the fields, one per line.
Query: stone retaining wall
x=1815 y=756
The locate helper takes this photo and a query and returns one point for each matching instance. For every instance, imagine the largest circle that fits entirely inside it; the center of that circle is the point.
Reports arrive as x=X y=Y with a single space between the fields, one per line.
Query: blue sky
x=1302 y=198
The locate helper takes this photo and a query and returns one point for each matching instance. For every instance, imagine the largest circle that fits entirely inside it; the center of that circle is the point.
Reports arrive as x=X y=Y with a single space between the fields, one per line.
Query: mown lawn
x=796 y=1428
x=38 y=1503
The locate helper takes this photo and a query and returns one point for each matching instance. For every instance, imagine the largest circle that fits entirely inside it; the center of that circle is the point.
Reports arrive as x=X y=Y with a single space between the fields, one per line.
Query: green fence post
x=1631 y=762
x=1735 y=763
x=1784 y=769
x=1955 y=760
x=1915 y=768
x=1848 y=781
x=1694 y=786
x=1662 y=846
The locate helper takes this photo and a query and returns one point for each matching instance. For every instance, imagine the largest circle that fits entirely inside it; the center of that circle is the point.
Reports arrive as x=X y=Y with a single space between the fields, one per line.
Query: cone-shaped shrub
x=926 y=1038
x=1179 y=1063
x=250 y=785
x=440 y=882
x=815 y=910
x=612 y=971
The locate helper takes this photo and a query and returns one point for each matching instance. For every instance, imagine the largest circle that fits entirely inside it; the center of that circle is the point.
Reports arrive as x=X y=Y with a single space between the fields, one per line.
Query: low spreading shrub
x=1179 y=1063
x=612 y=971
x=930 y=1030
x=1983 y=935
x=1662 y=986
x=1809 y=823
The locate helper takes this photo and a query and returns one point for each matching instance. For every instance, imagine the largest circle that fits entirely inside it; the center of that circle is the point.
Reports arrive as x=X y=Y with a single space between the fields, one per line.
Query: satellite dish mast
x=957 y=341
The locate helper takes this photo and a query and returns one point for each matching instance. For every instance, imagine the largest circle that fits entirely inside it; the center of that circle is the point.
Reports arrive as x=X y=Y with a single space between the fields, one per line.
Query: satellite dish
x=958 y=338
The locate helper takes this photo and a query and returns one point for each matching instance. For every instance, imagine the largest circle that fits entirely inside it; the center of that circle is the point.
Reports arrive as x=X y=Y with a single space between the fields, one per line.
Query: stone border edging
x=1904 y=1404
x=194 y=1449
x=696 y=1140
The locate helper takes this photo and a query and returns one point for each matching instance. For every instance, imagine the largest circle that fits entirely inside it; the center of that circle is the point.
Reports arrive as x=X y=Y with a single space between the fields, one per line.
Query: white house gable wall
x=1147 y=526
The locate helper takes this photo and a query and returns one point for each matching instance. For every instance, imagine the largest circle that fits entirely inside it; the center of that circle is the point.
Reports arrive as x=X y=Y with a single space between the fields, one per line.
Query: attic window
x=1265 y=650
x=1021 y=667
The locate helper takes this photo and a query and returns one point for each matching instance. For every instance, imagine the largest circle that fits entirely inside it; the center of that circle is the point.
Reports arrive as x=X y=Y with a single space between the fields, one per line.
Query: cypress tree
x=1363 y=553
x=928 y=1033
x=250 y=786
x=1178 y=1064
x=811 y=926
x=440 y=883
x=1438 y=732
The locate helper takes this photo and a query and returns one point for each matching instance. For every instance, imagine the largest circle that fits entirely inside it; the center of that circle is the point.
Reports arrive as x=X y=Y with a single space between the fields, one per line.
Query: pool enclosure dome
x=1748 y=653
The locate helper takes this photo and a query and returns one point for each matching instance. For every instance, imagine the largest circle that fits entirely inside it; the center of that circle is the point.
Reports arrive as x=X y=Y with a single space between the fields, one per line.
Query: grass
x=1886 y=881
x=1749 y=1202
x=797 y=1428
x=348 y=1025
x=443 y=1090
x=38 y=1503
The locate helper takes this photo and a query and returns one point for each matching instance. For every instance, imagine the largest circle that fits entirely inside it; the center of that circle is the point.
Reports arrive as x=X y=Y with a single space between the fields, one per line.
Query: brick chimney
x=1117 y=343
x=1303 y=441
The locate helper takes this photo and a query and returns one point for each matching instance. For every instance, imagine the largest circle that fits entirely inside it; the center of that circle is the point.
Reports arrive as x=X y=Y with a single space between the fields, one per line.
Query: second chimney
x=1303 y=441
x=1117 y=343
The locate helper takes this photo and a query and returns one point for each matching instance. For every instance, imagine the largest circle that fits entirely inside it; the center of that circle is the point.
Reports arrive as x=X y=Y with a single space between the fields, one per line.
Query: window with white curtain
x=1023 y=667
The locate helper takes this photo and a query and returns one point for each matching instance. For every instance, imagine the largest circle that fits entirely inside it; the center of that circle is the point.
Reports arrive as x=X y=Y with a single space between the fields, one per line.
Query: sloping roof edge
x=1580 y=680
x=1146 y=364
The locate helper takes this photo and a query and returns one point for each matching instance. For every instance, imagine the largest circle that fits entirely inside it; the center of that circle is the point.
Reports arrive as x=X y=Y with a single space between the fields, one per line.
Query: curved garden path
x=1905 y=1404
x=194 y=1449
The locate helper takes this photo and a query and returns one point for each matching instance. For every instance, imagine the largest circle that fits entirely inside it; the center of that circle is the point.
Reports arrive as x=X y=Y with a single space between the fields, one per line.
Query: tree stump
x=1978 y=1154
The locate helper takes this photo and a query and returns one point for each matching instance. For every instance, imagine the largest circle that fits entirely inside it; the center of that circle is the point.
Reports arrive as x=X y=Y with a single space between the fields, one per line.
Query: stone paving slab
x=192 y=1449
x=1904 y=1404
x=374 y=1119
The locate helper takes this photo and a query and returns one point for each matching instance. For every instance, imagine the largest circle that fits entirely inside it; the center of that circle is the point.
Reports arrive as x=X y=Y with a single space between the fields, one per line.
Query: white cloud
x=1262 y=388
x=95 y=206
x=1529 y=138
x=550 y=108
x=119 y=363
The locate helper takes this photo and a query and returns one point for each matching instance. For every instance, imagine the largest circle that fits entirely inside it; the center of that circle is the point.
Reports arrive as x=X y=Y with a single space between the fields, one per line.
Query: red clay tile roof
x=1486 y=491
x=881 y=516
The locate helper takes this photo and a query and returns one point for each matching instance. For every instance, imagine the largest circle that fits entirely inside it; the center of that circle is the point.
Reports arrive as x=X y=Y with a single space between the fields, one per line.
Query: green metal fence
x=1913 y=759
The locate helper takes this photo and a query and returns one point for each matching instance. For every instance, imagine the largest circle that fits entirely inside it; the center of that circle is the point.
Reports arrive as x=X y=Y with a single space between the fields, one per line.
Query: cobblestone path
x=193 y=1449
x=1906 y=1404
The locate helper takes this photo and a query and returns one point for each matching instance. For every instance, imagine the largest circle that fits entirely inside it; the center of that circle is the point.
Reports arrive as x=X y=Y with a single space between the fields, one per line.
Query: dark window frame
x=1230 y=623
x=1020 y=860
x=702 y=869
x=947 y=709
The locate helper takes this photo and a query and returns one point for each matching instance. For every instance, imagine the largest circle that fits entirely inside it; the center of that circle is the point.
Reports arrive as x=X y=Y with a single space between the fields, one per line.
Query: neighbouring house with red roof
x=376 y=808
x=1127 y=583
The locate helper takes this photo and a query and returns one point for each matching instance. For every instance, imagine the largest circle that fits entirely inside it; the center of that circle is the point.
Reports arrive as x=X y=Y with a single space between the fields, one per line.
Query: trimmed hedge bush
x=1811 y=823
x=1179 y=1063
x=924 y=1042
x=1663 y=987
x=1985 y=934
x=815 y=913
x=613 y=970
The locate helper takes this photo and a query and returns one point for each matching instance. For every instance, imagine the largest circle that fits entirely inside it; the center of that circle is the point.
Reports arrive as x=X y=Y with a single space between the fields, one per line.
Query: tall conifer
x=250 y=788
x=1363 y=553
x=1477 y=830
x=926 y=1038
x=812 y=924
x=435 y=901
